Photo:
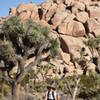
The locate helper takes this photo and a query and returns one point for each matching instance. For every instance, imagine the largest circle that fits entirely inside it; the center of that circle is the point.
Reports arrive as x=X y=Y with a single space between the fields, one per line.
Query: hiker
x=51 y=94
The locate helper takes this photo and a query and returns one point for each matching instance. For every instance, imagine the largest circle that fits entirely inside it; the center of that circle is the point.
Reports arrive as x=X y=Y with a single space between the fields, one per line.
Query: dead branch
x=76 y=88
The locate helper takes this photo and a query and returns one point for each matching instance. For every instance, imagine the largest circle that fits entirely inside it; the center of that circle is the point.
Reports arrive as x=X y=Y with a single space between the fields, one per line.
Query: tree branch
x=69 y=88
x=20 y=67
x=37 y=58
x=27 y=68
x=76 y=88
x=6 y=79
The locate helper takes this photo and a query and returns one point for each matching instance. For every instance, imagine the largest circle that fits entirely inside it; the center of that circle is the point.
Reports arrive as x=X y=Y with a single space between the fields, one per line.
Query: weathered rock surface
x=58 y=18
x=73 y=45
x=82 y=16
x=27 y=7
x=93 y=26
x=94 y=11
x=51 y=12
x=25 y=15
x=72 y=28
x=28 y=10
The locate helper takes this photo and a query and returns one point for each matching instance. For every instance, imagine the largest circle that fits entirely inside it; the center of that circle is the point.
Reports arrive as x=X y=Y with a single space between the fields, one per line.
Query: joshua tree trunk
x=15 y=91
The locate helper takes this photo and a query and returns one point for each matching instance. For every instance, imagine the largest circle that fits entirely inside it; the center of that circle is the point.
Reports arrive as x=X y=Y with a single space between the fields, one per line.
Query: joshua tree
x=21 y=42
x=94 y=43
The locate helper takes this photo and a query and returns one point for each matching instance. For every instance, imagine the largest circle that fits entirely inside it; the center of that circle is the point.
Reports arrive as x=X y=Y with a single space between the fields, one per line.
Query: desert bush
x=6 y=50
x=89 y=86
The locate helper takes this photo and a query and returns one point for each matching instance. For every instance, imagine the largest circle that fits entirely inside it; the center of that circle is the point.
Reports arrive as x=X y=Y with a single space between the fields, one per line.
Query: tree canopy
x=21 y=41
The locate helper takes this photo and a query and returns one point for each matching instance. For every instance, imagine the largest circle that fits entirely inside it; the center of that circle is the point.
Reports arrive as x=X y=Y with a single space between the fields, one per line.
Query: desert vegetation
x=53 y=43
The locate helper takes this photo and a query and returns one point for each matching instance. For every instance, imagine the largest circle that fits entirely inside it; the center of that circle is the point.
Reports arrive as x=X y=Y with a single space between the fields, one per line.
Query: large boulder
x=92 y=24
x=78 y=29
x=61 y=7
x=51 y=12
x=82 y=17
x=79 y=5
x=72 y=28
x=26 y=8
x=58 y=18
x=73 y=46
x=74 y=10
x=93 y=11
x=45 y=7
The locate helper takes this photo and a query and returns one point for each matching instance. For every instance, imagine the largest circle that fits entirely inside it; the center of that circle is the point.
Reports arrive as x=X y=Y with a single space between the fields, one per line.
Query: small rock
x=65 y=57
x=59 y=1
x=97 y=32
x=12 y=11
x=74 y=10
x=68 y=2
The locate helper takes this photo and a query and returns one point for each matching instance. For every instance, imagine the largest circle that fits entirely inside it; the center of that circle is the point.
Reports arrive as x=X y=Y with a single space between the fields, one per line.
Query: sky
x=6 y=4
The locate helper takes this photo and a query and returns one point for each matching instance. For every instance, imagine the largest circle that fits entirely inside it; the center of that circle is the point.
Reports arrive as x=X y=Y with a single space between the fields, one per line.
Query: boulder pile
x=72 y=21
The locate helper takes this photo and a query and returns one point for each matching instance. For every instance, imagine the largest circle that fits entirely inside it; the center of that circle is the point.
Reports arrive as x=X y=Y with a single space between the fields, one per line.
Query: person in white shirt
x=51 y=94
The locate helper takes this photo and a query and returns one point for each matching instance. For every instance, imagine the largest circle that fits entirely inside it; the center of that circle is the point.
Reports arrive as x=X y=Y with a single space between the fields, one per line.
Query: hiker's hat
x=51 y=87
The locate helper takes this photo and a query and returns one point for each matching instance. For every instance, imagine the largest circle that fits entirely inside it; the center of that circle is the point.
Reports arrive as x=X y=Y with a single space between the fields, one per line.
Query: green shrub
x=89 y=86
x=28 y=34
x=40 y=86
x=55 y=48
x=92 y=42
x=30 y=75
x=12 y=27
x=6 y=49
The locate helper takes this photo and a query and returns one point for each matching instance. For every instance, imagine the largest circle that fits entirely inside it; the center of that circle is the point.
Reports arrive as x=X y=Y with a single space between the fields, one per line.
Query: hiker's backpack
x=49 y=94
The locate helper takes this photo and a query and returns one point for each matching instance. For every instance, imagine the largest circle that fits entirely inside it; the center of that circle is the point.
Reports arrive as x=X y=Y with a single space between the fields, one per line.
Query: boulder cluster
x=72 y=21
